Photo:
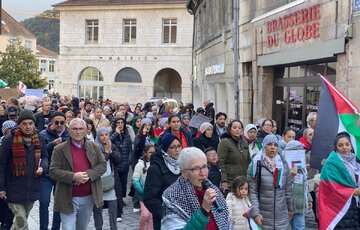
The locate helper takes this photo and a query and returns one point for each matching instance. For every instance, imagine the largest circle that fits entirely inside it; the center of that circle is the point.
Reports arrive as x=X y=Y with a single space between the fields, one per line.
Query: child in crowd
x=138 y=178
x=238 y=202
x=214 y=168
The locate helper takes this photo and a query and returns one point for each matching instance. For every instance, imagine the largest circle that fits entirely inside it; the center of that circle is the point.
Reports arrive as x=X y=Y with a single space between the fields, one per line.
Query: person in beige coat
x=77 y=166
x=99 y=119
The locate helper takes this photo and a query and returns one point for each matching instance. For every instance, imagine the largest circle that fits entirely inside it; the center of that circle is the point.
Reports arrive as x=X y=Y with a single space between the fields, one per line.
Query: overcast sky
x=22 y=9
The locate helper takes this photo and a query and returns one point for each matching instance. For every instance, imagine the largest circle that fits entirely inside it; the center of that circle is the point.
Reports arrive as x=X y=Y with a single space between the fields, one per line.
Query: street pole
x=236 y=55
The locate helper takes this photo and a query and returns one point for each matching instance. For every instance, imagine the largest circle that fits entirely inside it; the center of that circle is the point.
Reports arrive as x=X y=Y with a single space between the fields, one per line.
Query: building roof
x=45 y=52
x=116 y=2
x=13 y=28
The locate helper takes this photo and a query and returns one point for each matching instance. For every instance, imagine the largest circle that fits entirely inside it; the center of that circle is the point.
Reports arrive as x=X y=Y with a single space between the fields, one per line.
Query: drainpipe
x=192 y=12
x=236 y=56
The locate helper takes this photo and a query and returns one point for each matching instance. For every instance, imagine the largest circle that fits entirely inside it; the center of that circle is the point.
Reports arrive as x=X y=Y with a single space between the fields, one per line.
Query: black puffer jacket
x=158 y=178
x=123 y=154
x=351 y=219
x=49 y=136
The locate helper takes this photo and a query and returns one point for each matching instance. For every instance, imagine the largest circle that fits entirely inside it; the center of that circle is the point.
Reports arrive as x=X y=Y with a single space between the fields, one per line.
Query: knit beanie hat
x=146 y=121
x=166 y=140
x=204 y=126
x=9 y=124
x=26 y=114
x=163 y=121
x=106 y=108
x=270 y=138
x=55 y=114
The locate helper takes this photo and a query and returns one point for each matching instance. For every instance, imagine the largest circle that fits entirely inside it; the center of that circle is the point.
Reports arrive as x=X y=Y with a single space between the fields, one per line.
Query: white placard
x=295 y=158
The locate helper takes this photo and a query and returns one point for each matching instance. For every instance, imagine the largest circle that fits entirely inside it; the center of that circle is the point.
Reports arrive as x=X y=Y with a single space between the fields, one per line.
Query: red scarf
x=18 y=153
x=305 y=142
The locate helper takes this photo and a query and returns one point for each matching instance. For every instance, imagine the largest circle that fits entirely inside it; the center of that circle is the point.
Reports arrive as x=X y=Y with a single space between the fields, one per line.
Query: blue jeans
x=298 y=222
x=80 y=218
x=47 y=185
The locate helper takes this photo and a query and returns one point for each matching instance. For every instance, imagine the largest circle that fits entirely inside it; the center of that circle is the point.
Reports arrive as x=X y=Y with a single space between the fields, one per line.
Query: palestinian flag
x=336 y=114
x=3 y=83
x=252 y=224
x=335 y=192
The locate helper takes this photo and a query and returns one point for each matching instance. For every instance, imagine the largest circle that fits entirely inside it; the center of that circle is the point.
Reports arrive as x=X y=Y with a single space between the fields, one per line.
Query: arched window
x=91 y=74
x=91 y=83
x=128 y=74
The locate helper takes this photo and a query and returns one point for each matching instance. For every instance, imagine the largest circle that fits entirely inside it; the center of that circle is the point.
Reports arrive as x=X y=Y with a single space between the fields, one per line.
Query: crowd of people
x=184 y=175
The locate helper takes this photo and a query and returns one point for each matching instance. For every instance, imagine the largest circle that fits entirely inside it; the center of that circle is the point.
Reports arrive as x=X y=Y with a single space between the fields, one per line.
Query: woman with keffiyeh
x=163 y=171
x=187 y=205
x=339 y=187
x=270 y=187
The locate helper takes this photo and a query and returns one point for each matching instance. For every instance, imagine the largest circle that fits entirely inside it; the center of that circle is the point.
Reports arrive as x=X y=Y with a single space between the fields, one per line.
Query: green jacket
x=234 y=158
x=61 y=170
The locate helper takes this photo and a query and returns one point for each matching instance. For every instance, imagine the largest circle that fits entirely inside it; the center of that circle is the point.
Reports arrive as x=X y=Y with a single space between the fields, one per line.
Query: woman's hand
x=290 y=214
x=209 y=198
x=225 y=186
x=259 y=219
x=117 y=129
x=356 y=192
x=107 y=146
x=39 y=171
x=294 y=171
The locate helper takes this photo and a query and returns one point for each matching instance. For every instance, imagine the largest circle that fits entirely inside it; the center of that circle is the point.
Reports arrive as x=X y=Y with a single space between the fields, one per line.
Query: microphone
x=205 y=185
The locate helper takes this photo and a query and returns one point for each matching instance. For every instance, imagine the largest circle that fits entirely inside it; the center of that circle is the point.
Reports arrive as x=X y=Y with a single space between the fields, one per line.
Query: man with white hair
x=77 y=166
x=310 y=121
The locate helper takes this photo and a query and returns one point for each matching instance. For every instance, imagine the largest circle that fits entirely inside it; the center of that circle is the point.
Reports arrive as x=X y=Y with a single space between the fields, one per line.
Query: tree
x=20 y=64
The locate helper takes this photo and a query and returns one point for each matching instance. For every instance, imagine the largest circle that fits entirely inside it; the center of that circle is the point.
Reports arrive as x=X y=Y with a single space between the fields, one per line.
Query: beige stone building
x=283 y=44
x=125 y=50
x=47 y=66
x=11 y=30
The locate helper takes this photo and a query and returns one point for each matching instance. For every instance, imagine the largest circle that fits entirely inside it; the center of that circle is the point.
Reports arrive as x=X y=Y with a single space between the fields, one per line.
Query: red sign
x=298 y=26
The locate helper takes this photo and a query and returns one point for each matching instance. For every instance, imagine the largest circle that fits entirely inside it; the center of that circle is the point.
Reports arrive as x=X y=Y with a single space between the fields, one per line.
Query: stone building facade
x=125 y=50
x=283 y=44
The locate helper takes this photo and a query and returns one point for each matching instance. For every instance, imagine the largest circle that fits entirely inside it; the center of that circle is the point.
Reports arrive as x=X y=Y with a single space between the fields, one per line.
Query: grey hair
x=187 y=155
x=77 y=120
x=307 y=130
x=309 y=116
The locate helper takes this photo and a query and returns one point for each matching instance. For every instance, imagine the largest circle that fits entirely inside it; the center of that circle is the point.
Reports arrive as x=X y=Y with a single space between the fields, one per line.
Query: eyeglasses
x=197 y=169
x=177 y=147
x=268 y=125
x=59 y=122
x=77 y=129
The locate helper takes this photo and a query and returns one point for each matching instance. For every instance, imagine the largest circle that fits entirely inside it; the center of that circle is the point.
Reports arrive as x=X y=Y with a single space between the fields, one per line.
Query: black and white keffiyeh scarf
x=185 y=203
x=171 y=163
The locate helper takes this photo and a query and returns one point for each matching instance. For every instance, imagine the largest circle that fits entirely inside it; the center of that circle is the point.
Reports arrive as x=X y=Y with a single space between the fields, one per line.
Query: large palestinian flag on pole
x=336 y=114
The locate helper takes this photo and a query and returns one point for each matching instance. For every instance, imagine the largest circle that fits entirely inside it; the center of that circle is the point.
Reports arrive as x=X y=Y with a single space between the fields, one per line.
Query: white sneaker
x=135 y=210
x=119 y=219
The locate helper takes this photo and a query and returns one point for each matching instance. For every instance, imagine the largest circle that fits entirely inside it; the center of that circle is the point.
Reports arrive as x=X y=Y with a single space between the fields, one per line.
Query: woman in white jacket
x=138 y=179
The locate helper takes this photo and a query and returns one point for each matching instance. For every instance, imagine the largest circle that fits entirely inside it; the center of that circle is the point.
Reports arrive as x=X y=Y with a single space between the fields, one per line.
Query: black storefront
x=297 y=90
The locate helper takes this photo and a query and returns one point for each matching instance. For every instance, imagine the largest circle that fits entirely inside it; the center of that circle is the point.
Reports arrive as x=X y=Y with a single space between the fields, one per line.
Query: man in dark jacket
x=55 y=134
x=209 y=110
x=23 y=159
x=43 y=118
x=161 y=106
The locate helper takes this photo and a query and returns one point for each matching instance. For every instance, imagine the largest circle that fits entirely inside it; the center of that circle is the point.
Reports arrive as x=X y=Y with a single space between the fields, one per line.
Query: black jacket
x=158 y=178
x=351 y=218
x=42 y=121
x=123 y=154
x=21 y=189
x=215 y=174
x=49 y=136
x=202 y=142
x=210 y=112
x=260 y=135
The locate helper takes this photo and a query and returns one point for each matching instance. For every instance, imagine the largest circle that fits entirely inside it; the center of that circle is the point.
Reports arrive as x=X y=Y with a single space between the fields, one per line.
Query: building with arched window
x=125 y=51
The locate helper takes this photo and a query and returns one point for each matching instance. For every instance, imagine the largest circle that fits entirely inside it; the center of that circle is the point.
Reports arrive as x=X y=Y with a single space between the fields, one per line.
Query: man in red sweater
x=77 y=166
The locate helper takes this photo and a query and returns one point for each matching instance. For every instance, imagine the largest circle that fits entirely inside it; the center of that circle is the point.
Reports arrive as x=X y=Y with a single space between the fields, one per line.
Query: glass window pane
x=133 y=34
x=313 y=70
x=312 y=99
x=94 y=92
x=101 y=91
x=87 y=90
x=173 y=34
x=166 y=34
x=127 y=35
x=296 y=98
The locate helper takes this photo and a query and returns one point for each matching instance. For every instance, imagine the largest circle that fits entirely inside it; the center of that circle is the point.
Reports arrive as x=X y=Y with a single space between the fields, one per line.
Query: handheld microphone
x=205 y=185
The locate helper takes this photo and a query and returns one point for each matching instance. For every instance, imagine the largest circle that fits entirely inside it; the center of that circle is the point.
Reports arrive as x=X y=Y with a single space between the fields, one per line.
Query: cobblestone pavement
x=130 y=219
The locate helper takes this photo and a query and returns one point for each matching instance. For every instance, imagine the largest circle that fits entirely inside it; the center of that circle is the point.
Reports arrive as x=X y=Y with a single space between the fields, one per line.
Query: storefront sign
x=298 y=26
x=215 y=69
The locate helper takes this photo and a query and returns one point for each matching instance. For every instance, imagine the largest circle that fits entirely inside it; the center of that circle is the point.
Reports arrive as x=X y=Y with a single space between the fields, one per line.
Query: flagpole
x=339 y=93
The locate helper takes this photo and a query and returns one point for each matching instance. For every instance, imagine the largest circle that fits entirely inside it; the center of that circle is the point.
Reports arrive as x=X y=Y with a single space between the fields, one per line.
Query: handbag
x=108 y=183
